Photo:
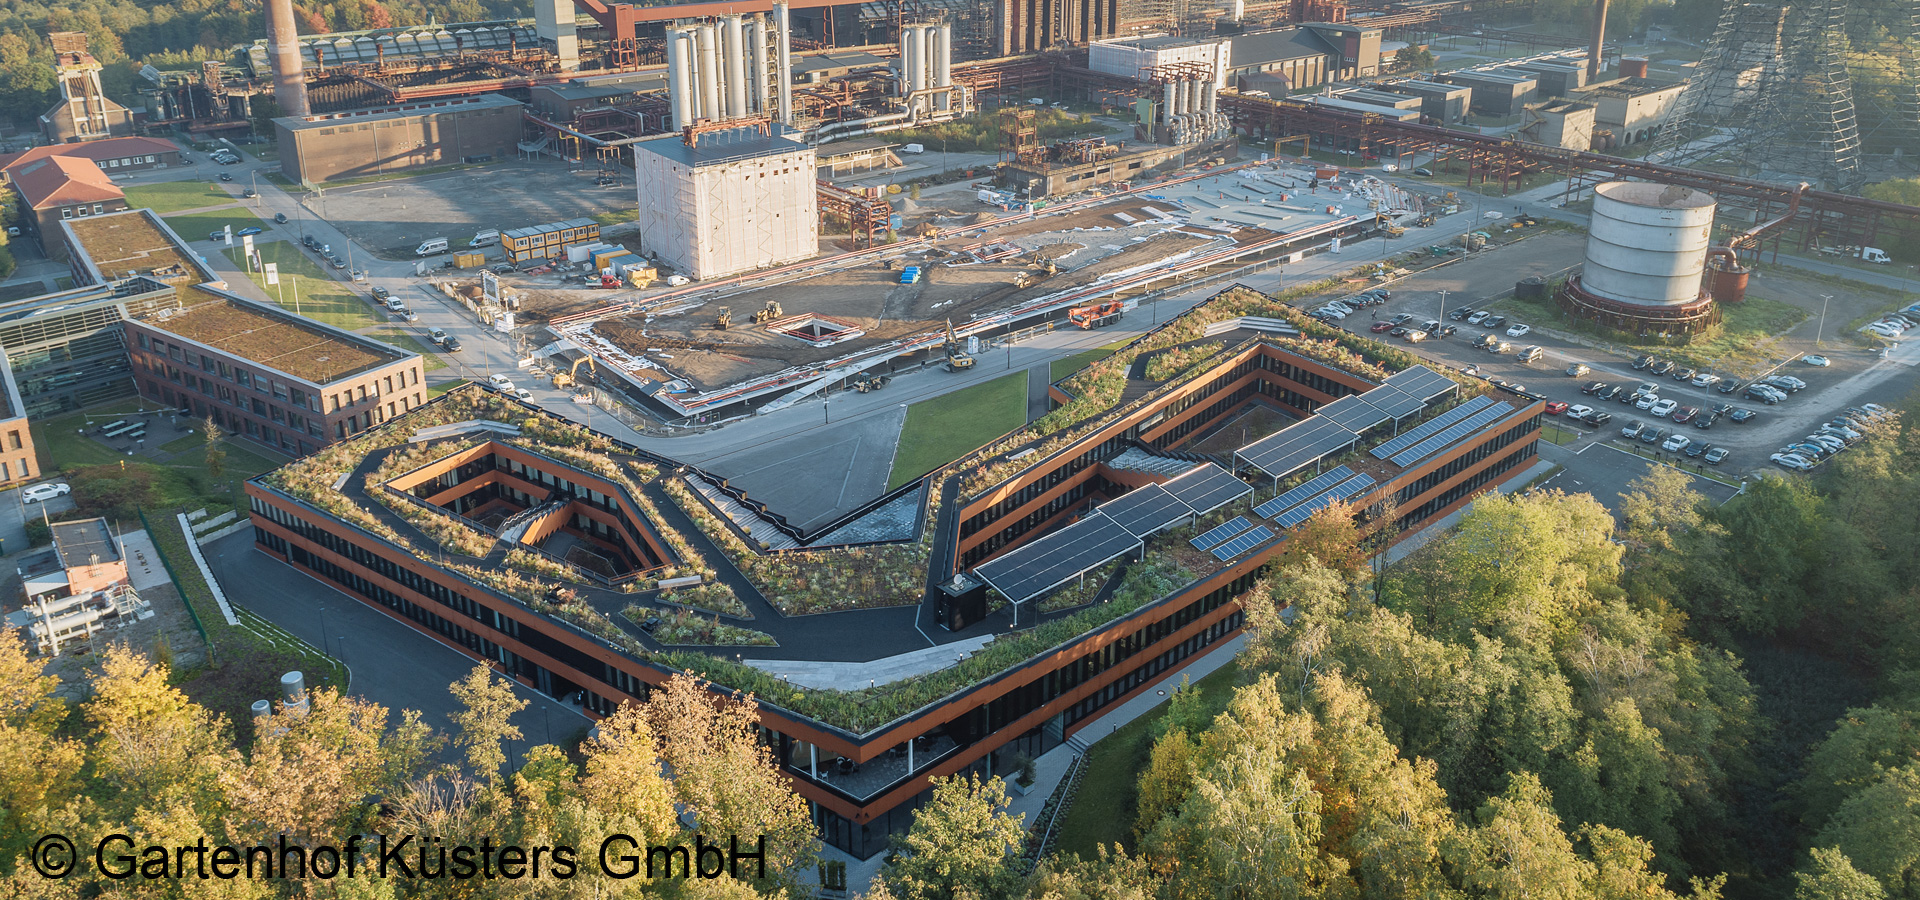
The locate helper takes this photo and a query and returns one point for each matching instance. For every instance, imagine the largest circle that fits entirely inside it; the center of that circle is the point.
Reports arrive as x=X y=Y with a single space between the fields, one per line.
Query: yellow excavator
x=770 y=313
x=724 y=320
x=571 y=376
x=957 y=357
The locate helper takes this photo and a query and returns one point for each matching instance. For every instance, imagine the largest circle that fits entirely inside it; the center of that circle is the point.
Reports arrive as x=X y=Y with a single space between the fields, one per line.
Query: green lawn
x=319 y=296
x=443 y=387
x=1069 y=365
x=405 y=341
x=174 y=196
x=939 y=430
x=1743 y=340
x=194 y=227
x=1103 y=811
x=617 y=216
x=181 y=479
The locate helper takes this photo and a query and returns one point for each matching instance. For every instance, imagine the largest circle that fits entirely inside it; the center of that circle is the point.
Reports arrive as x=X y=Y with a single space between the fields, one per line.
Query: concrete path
x=858 y=676
x=1039 y=378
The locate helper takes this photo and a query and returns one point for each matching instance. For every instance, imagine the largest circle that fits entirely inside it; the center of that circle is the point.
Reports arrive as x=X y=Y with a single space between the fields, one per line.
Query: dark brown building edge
x=1028 y=708
x=388 y=139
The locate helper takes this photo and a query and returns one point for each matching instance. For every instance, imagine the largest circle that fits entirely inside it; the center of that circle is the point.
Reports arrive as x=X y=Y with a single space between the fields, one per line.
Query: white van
x=431 y=246
x=485 y=239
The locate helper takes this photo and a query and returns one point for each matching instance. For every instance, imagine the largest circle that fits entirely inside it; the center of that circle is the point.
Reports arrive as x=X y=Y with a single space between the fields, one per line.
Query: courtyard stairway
x=1138 y=460
x=761 y=530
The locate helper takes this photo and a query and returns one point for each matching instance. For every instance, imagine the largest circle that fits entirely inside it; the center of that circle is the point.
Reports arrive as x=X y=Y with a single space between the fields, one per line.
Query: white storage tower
x=739 y=200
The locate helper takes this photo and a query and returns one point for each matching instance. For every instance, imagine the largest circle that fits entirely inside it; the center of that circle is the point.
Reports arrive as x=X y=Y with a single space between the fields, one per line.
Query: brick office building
x=283 y=380
x=1029 y=525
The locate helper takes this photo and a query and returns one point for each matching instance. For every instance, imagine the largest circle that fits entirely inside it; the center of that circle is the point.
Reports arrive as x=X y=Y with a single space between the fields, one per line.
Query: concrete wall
x=1120 y=58
x=350 y=148
x=713 y=220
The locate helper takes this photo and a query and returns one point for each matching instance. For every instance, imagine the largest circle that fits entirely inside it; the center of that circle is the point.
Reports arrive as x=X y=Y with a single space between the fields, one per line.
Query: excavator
x=868 y=381
x=957 y=357
x=571 y=376
x=724 y=320
x=770 y=313
x=1097 y=314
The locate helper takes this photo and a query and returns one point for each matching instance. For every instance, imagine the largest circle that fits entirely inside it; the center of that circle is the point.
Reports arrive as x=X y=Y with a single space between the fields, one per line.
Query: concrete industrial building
x=1496 y=92
x=283 y=380
x=84 y=113
x=75 y=588
x=1028 y=530
x=1308 y=55
x=731 y=201
x=1646 y=260
x=1631 y=107
x=1138 y=58
x=1440 y=104
x=1560 y=123
x=383 y=140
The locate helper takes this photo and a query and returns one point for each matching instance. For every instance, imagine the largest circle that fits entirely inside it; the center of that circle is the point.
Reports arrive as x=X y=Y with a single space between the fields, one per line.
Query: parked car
x=1681 y=373
x=1530 y=354
x=1380 y=326
x=225 y=177
x=1660 y=367
x=1675 y=443
x=1519 y=330
x=500 y=382
x=1641 y=362
x=1646 y=402
x=1597 y=418
x=381 y=294
x=1578 y=412
x=1715 y=456
x=1578 y=369
x=1763 y=394
x=1818 y=362
x=1663 y=408
x=1461 y=314
x=1499 y=347
x=338 y=262
x=1478 y=317
x=1609 y=392
x=279 y=218
x=437 y=336
x=249 y=230
x=1415 y=335
x=1742 y=416
x=1594 y=387
x=452 y=345
x=1788 y=383
x=1632 y=429
x=1791 y=461
x=1705 y=379
x=1685 y=413
x=1401 y=318
x=1445 y=330
x=47 y=491
x=1653 y=435
x=1727 y=385
x=1696 y=448
x=1493 y=321
x=1555 y=408
x=522 y=394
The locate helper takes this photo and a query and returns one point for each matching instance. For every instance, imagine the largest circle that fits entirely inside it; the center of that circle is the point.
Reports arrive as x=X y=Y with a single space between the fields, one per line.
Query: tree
x=116 y=492
x=1878 y=828
x=1829 y=875
x=961 y=844
x=319 y=772
x=152 y=745
x=622 y=774
x=1332 y=538
x=1866 y=744
x=1519 y=850
x=216 y=457
x=484 y=722
x=1660 y=506
x=39 y=771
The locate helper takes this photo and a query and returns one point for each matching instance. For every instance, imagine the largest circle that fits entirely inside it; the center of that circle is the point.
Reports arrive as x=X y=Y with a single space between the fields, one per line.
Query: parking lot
x=391 y=218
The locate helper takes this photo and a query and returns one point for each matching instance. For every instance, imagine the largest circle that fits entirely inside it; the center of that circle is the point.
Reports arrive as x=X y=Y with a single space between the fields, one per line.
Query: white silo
x=1647 y=243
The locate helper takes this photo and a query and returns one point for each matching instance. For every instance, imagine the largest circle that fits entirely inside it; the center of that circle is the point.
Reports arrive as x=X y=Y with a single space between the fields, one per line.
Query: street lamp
x=1821 y=334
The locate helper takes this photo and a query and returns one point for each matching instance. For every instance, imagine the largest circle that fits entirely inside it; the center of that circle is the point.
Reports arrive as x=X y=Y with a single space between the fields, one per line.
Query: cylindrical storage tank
x=1532 y=287
x=706 y=71
x=1196 y=101
x=283 y=53
x=943 y=59
x=757 y=65
x=909 y=59
x=1633 y=67
x=679 y=79
x=783 y=61
x=1727 y=280
x=1170 y=106
x=1647 y=243
x=736 y=52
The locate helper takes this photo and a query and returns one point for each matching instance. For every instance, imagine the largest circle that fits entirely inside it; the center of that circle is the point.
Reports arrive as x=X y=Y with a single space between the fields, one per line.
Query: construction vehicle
x=957 y=357
x=1426 y=221
x=865 y=382
x=572 y=375
x=611 y=281
x=724 y=320
x=770 y=313
x=1096 y=314
x=1394 y=231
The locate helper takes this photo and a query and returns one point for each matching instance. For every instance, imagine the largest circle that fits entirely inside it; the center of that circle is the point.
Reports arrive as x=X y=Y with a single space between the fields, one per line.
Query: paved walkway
x=846 y=676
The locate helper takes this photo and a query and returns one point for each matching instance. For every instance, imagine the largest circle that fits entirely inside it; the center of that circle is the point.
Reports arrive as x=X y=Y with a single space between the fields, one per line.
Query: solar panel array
x=1421 y=382
x=1342 y=491
x=1354 y=413
x=1146 y=510
x=1421 y=431
x=1243 y=543
x=1315 y=438
x=1207 y=487
x=1220 y=533
x=1394 y=402
x=1469 y=425
x=1048 y=561
x=1287 y=500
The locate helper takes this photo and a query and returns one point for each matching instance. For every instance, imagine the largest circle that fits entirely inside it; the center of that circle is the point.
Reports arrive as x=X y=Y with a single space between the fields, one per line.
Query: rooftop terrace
x=299 y=347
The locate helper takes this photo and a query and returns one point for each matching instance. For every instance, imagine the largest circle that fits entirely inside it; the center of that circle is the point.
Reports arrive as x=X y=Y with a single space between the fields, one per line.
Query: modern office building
x=1146 y=509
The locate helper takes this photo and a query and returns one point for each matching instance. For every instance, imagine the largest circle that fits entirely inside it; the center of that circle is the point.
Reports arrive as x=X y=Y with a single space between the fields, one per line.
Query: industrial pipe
x=736 y=71
x=757 y=64
x=783 y=28
x=679 y=80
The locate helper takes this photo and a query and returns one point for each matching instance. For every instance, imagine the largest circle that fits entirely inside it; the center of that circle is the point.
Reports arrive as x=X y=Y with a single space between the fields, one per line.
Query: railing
x=1046 y=826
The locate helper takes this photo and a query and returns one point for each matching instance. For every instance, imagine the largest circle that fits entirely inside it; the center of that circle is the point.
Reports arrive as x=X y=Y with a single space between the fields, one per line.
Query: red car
x=1685 y=413
x=1381 y=326
x=1555 y=408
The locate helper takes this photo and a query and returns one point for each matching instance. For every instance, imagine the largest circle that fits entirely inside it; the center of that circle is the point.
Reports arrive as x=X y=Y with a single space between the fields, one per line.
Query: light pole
x=1821 y=335
x=1443 y=308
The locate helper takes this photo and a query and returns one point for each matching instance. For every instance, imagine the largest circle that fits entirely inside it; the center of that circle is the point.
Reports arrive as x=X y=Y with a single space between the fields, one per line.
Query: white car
x=438 y=336
x=1832 y=442
x=1476 y=318
x=1518 y=330
x=500 y=383
x=1675 y=444
x=1882 y=329
x=1818 y=362
x=1792 y=461
x=1840 y=431
x=40 y=492
x=1578 y=412
x=1647 y=402
x=521 y=394
x=1664 y=408
x=1705 y=379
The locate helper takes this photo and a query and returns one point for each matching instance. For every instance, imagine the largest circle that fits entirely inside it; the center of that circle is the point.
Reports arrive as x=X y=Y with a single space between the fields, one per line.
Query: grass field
x=181 y=479
x=320 y=297
x=1104 y=809
x=430 y=359
x=939 y=430
x=1744 y=338
x=1069 y=365
x=174 y=196
x=443 y=387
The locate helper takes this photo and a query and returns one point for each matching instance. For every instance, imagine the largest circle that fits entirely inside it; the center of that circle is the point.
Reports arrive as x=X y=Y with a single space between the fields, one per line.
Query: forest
x=1696 y=702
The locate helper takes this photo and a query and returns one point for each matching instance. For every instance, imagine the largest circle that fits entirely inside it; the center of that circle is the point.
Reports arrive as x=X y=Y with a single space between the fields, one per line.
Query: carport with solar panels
x=1339 y=425
x=1114 y=529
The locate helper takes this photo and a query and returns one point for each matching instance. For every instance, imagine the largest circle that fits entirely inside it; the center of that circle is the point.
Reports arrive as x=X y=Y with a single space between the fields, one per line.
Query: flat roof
x=620 y=86
x=829 y=62
x=731 y=145
x=86 y=542
x=1628 y=87
x=1161 y=42
x=1053 y=559
x=403 y=111
x=136 y=242
x=292 y=344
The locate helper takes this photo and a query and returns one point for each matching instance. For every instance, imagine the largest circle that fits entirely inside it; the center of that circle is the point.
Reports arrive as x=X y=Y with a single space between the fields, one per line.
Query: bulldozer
x=571 y=376
x=866 y=381
x=1096 y=314
x=770 y=313
x=724 y=320
x=957 y=357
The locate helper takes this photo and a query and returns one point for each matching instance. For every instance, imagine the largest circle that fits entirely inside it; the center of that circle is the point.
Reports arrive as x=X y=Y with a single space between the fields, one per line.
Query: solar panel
x=1353 y=413
x=1207 y=487
x=1040 y=565
x=1422 y=382
x=1259 y=535
x=1220 y=533
x=1396 y=403
x=1287 y=500
x=1421 y=431
x=1342 y=491
x=1455 y=432
x=1146 y=510
x=1280 y=461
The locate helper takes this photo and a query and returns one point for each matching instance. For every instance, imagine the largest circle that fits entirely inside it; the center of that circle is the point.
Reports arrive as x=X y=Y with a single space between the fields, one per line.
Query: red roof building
x=59 y=187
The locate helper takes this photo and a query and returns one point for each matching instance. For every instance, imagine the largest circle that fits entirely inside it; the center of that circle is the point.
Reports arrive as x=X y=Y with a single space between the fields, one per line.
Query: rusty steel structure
x=867 y=214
